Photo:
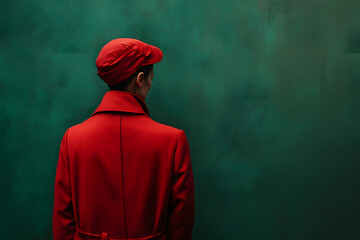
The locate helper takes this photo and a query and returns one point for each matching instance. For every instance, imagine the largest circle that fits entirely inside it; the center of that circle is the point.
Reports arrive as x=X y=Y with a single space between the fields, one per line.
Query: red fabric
x=124 y=176
x=122 y=57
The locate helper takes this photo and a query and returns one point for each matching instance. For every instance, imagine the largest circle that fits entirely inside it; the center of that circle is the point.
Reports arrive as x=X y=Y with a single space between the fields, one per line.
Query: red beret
x=122 y=57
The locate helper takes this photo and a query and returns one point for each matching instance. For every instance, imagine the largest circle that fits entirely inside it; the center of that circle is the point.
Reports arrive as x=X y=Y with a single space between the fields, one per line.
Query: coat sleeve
x=63 y=215
x=182 y=204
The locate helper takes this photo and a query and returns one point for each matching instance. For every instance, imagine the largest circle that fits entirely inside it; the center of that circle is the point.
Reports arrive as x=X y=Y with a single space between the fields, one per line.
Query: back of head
x=146 y=69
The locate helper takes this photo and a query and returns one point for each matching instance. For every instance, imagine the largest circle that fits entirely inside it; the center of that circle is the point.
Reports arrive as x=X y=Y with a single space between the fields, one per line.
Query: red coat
x=121 y=175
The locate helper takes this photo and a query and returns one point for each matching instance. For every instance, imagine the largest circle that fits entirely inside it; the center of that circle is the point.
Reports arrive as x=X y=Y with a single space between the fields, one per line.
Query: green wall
x=267 y=92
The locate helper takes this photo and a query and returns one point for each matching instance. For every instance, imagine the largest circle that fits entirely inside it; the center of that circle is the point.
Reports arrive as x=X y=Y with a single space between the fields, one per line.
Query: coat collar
x=121 y=101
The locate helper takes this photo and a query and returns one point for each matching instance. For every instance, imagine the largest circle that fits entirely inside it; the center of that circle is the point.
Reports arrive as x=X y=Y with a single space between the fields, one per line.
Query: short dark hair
x=146 y=69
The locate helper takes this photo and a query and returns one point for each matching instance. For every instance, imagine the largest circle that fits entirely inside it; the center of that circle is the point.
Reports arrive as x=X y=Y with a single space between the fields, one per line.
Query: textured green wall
x=267 y=92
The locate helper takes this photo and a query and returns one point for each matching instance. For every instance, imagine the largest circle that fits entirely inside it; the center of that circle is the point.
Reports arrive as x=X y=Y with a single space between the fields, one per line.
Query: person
x=120 y=174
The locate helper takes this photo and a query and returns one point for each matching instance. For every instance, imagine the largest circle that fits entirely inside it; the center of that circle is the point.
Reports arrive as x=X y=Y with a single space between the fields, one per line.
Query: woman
x=120 y=174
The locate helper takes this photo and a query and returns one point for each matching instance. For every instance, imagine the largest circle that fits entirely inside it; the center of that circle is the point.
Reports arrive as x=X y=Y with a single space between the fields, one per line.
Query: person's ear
x=140 y=79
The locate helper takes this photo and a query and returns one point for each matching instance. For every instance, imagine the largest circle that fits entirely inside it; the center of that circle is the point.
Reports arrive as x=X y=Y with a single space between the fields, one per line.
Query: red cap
x=122 y=57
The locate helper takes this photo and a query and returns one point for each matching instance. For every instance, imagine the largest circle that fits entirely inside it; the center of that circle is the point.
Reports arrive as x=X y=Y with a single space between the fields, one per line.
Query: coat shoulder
x=166 y=128
x=145 y=124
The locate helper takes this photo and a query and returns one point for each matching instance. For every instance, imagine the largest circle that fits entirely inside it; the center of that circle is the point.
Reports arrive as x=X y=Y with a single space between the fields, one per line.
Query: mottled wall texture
x=267 y=91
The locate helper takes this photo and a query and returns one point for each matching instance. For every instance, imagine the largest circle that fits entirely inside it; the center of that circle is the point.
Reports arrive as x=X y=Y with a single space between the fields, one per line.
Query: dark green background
x=267 y=92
